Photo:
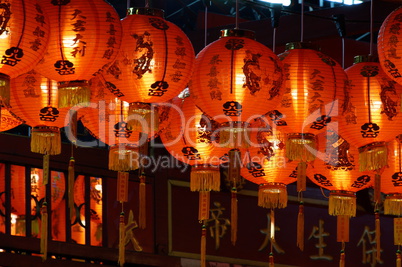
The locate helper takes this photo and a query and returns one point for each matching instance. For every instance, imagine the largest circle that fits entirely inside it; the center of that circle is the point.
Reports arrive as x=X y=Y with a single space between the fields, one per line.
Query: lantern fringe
x=70 y=96
x=398 y=259
x=203 y=251
x=233 y=136
x=301 y=176
x=71 y=178
x=44 y=232
x=202 y=179
x=121 y=158
x=393 y=205
x=300 y=147
x=378 y=235
x=373 y=157
x=143 y=118
x=122 y=240
x=272 y=196
x=142 y=215
x=342 y=205
x=46 y=140
x=300 y=227
x=234 y=216
x=203 y=205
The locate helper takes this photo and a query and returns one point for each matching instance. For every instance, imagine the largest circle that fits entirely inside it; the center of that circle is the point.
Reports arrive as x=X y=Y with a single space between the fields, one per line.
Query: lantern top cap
x=146 y=11
x=237 y=33
x=365 y=58
x=301 y=45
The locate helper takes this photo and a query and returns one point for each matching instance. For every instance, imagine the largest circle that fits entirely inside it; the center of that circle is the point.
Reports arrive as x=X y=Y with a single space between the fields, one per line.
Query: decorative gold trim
x=365 y=58
x=146 y=11
x=237 y=33
x=76 y=83
x=302 y=45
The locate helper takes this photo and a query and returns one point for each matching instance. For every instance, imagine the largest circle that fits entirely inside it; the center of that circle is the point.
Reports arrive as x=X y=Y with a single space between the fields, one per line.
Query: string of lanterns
x=274 y=119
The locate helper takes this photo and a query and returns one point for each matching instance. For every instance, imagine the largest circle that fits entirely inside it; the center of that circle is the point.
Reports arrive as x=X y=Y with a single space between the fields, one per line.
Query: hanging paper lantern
x=389 y=47
x=235 y=80
x=24 y=33
x=314 y=89
x=336 y=168
x=391 y=179
x=85 y=36
x=189 y=137
x=272 y=171
x=107 y=120
x=34 y=99
x=371 y=114
x=154 y=64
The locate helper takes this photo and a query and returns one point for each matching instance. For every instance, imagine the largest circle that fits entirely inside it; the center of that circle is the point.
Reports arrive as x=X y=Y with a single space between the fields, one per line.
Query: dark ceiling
x=319 y=22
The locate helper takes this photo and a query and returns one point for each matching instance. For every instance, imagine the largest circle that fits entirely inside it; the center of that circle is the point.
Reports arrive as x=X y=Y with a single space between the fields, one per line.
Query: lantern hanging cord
x=205 y=25
x=323 y=193
x=60 y=37
x=23 y=24
x=237 y=14
x=146 y=3
x=128 y=4
x=273 y=40
x=302 y=21
x=371 y=27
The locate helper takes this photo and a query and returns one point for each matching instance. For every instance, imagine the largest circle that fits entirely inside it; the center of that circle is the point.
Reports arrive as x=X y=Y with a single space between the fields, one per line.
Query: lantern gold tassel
x=46 y=140
x=378 y=235
x=71 y=178
x=300 y=227
x=271 y=260
x=301 y=176
x=203 y=205
x=234 y=134
x=393 y=205
x=44 y=233
x=203 y=245
x=301 y=147
x=342 y=204
x=122 y=241
x=74 y=93
x=272 y=195
x=205 y=178
x=142 y=116
x=142 y=203
x=123 y=157
x=398 y=258
x=342 y=259
x=373 y=156
x=234 y=216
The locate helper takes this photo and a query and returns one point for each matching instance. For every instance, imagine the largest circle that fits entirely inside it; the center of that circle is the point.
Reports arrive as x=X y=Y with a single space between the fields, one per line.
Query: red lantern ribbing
x=314 y=89
x=24 y=33
x=235 y=80
x=85 y=36
x=389 y=47
x=154 y=65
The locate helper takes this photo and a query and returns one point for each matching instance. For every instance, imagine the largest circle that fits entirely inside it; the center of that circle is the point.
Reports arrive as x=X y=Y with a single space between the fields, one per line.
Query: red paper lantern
x=107 y=120
x=391 y=179
x=85 y=36
x=34 y=99
x=314 y=89
x=371 y=113
x=189 y=138
x=154 y=64
x=336 y=168
x=389 y=47
x=236 y=79
x=9 y=120
x=24 y=37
